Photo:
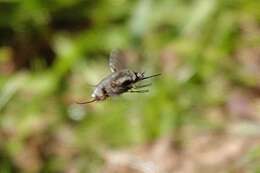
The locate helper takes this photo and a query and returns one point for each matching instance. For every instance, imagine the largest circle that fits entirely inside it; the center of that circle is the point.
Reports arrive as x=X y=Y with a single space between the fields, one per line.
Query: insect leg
x=138 y=91
x=141 y=86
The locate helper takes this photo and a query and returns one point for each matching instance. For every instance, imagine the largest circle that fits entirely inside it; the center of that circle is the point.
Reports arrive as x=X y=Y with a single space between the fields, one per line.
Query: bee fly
x=120 y=81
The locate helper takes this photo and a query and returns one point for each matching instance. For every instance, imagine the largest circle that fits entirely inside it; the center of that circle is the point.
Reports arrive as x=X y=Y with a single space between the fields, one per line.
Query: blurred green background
x=201 y=115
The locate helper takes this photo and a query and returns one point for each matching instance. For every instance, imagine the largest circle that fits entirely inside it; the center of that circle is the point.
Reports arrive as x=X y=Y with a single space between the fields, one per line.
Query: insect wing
x=116 y=61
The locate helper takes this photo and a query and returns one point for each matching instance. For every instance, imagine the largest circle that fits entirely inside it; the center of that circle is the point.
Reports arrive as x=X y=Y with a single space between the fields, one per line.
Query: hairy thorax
x=114 y=84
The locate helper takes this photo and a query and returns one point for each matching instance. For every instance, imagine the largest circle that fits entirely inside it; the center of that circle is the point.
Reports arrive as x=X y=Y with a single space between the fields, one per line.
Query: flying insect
x=121 y=80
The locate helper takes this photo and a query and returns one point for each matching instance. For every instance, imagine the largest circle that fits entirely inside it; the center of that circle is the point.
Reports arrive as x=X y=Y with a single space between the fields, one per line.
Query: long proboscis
x=151 y=76
x=86 y=102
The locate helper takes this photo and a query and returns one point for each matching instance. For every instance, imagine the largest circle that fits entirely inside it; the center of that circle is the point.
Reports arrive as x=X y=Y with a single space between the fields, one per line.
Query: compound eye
x=140 y=75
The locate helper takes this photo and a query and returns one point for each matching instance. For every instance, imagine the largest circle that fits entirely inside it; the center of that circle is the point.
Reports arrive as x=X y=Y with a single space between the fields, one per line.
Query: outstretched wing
x=116 y=61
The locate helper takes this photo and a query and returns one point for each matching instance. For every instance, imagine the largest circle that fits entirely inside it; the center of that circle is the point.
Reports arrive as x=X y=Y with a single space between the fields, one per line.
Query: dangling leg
x=138 y=91
x=141 y=86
